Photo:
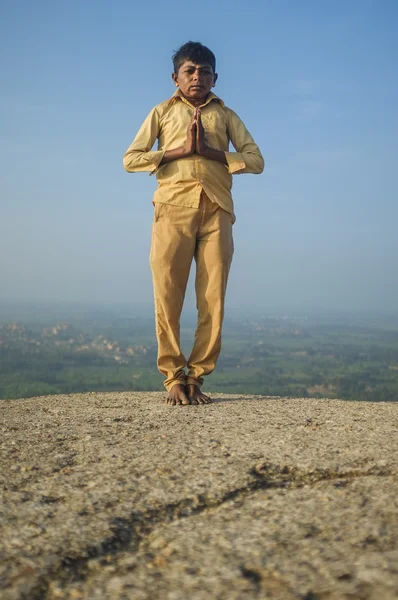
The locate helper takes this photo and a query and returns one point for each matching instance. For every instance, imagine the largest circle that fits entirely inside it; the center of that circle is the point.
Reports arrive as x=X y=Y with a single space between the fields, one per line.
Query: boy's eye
x=190 y=71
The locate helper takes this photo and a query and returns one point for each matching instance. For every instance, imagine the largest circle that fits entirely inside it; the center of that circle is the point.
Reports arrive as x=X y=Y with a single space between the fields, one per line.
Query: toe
x=205 y=399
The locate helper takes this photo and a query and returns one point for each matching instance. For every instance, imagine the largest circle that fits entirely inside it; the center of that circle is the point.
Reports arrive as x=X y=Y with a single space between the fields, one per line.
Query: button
x=200 y=180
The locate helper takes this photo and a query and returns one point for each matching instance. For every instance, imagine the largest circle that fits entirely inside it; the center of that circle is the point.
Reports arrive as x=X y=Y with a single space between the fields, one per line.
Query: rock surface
x=117 y=496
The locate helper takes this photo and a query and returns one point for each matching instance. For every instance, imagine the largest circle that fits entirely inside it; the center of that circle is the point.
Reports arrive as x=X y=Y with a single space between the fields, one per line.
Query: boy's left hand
x=201 y=147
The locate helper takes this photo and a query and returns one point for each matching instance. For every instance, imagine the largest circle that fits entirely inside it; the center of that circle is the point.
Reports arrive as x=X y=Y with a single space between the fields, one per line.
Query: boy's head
x=194 y=70
x=194 y=52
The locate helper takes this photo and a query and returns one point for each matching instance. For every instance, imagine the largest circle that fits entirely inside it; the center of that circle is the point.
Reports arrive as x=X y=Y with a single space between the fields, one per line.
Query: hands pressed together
x=195 y=143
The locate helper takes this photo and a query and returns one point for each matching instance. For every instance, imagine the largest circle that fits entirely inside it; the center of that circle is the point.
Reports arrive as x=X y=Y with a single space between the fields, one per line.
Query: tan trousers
x=180 y=234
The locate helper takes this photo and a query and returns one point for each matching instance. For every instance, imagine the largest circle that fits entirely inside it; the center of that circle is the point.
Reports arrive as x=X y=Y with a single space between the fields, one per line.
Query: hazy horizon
x=17 y=309
x=316 y=85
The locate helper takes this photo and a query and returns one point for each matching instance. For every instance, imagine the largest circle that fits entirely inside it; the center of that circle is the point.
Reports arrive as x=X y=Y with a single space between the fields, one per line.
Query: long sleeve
x=247 y=158
x=139 y=156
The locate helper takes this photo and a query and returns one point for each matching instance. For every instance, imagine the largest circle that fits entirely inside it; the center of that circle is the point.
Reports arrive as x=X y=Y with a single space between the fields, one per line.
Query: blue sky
x=316 y=84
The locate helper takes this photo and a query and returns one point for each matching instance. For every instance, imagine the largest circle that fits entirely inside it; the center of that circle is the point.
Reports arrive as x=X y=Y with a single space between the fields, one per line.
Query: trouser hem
x=195 y=381
x=169 y=384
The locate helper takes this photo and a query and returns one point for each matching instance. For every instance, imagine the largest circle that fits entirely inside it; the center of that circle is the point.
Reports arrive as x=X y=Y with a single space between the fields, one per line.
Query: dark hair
x=196 y=52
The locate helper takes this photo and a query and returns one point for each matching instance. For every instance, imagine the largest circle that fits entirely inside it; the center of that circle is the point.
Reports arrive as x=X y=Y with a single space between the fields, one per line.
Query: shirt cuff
x=156 y=158
x=235 y=161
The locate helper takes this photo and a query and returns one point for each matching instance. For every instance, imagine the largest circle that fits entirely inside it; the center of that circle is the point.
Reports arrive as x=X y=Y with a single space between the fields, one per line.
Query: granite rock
x=118 y=496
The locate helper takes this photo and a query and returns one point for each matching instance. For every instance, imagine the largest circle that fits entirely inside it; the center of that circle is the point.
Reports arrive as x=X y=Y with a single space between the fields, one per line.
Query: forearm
x=136 y=161
x=214 y=154
x=187 y=149
x=254 y=162
x=178 y=153
x=174 y=154
x=247 y=158
x=245 y=162
x=201 y=146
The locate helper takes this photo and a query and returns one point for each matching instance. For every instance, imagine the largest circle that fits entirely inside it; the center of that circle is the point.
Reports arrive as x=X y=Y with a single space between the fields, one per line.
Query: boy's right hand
x=189 y=146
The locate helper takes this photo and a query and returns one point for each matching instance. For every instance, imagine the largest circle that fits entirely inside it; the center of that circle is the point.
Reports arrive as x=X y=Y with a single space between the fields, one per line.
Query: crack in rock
x=282 y=477
x=129 y=533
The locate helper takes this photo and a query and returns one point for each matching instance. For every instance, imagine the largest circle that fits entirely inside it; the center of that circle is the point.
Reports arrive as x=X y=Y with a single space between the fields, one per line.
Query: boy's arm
x=187 y=149
x=201 y=147
x=139 y=156
x=247 y=158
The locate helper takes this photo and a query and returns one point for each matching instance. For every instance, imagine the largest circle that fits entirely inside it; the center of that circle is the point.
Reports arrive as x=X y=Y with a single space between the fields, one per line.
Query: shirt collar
x=178 y=95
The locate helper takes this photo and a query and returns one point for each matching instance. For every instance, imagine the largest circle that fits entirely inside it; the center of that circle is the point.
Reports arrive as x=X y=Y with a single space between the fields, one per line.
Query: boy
x=193 y=212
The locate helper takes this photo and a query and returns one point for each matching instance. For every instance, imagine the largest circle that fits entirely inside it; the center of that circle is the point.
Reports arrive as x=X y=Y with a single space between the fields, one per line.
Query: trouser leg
x=213 y=255
x=172 y=251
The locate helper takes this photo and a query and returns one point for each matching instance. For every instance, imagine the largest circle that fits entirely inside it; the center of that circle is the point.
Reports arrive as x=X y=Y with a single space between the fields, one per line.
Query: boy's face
x=195 y=81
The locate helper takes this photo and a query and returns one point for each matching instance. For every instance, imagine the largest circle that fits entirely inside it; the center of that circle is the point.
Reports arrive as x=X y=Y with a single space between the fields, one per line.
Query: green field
x=68 y=350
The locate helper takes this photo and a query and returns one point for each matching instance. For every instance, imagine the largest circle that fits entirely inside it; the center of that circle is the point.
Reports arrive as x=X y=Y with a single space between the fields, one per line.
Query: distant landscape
x=50 y=349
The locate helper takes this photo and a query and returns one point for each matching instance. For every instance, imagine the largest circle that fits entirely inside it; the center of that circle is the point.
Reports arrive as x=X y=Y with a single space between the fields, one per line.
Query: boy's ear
x=215 y=79
x=174 y=78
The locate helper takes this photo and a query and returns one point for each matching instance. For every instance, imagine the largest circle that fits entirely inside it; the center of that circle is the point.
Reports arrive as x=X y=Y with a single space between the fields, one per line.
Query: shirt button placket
x=200 y=170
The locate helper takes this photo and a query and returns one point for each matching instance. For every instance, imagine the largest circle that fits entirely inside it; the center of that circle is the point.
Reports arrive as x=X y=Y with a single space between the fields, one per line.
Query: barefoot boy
x=194 y=212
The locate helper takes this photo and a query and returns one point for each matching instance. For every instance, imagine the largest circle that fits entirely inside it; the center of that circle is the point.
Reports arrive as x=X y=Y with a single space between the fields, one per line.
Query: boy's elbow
x=131 y=162
x=127 y=162
x=135 y=161
x=254 y=162
x=259 y=165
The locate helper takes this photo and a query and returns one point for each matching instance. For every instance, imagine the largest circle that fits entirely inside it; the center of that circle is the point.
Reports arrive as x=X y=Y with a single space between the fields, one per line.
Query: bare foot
x=177 y=395
x=196 y=396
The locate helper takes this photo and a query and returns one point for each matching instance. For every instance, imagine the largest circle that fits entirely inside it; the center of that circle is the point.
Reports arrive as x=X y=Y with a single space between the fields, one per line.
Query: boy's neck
x=195 y=101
